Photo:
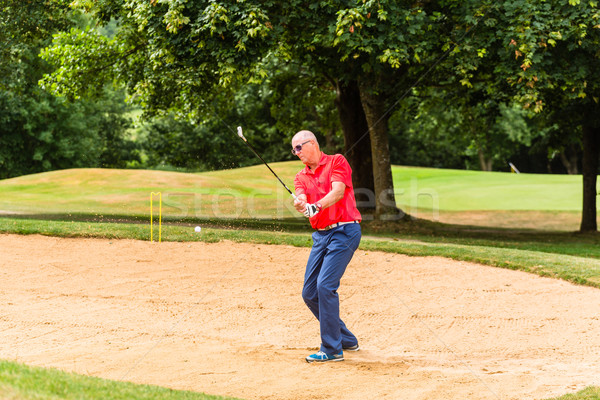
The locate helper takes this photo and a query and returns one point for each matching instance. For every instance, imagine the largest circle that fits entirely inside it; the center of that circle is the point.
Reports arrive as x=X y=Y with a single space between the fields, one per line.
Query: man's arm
x=335 y=195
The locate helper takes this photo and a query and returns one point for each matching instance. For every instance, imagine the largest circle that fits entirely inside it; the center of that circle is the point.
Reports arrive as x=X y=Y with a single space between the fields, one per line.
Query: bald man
x=325 y=195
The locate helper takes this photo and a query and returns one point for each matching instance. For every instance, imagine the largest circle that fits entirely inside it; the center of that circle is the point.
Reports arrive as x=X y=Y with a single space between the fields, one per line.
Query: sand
x=228 y=319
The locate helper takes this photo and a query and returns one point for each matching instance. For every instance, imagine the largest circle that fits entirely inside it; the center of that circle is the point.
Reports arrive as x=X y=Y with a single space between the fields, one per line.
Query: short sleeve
x=341 y=171
x=299 y=186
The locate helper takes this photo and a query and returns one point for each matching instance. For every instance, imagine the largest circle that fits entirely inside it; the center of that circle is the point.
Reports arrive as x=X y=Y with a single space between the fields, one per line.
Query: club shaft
x=273 y=172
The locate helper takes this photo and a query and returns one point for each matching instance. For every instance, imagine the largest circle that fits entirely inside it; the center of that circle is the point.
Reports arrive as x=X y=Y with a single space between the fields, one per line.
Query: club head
x=240 y=134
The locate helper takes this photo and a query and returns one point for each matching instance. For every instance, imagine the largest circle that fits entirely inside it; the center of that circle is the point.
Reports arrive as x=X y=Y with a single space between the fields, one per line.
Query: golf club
x=241 y=135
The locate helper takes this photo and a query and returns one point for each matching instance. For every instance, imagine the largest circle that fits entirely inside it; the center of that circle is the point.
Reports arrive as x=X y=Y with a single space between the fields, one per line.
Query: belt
x=336 y=225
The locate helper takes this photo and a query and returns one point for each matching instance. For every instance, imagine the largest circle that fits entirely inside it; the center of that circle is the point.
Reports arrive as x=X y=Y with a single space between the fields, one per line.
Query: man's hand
x=300 y=203
x=311 y=210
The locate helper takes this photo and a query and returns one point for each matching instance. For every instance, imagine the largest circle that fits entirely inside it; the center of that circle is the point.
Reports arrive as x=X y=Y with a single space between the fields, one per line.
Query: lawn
x=459 y=190
x=454 y=196
x=22 y=382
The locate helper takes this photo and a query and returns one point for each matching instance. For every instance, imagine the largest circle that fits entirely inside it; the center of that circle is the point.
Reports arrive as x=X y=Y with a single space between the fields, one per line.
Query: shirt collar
x=322 y=161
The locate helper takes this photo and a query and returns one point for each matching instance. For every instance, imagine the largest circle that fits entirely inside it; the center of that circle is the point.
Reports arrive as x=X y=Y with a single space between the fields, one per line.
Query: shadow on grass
x=289 y=224
x=408 y=227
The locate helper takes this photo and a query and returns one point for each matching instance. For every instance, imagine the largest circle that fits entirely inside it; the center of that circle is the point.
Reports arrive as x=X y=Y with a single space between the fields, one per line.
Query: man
x=325 y=195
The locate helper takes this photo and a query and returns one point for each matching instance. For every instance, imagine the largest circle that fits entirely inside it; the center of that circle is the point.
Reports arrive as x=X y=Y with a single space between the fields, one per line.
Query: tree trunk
x=357 y=144
x=591 y=157
x=385 y=201
x=569 y=162
x=486 y=165
x=330 y=138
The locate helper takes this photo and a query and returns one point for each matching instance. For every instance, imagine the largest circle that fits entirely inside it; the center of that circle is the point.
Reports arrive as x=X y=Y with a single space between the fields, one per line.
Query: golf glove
x=311 y=210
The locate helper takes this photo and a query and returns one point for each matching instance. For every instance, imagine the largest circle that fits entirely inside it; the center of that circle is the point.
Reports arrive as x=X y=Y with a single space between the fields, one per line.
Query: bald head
x=303 y=136
x=306 y=147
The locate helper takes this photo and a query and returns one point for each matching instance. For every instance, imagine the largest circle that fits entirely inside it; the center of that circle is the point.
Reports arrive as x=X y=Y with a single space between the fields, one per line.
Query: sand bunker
x=228 y=319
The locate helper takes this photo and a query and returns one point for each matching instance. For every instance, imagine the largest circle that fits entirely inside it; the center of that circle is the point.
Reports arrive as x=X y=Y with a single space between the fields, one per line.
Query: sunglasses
x=298 y=147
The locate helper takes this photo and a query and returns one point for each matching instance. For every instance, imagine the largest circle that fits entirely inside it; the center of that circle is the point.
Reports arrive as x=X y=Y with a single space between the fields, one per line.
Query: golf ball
x=197 y=229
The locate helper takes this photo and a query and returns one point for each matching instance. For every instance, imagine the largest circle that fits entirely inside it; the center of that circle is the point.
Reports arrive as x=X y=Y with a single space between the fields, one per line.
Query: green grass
x=246 y=192
x=20 y=382
x=253 y=192
x=590 y=393
x=459 y=190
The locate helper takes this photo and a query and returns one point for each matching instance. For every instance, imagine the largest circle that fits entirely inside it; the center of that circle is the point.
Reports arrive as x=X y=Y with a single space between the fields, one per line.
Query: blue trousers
x=331 y=252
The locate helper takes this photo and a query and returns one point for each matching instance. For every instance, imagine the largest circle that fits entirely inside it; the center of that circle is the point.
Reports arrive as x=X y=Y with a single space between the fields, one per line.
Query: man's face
x=308 y=153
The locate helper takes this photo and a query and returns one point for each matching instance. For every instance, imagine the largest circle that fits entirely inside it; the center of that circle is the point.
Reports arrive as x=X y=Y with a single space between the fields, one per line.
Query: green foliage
x=27 y=26
x=170 y=142
x=513 y=122
x=180 y=57
x=171 y=55
x=270 y=113
x=108 y=115
x=428 y=133
x=299 y=98
x=435 y=128
x=559 y=49
x=39 y=132
x=94 y=57
x=379 y=34
x=185 y=57
x=42 y=133
x=534 y=51
x=212 y=144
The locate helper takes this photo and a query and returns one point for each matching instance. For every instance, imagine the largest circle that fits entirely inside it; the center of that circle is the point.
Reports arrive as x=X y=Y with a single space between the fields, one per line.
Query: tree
x=560 y=133
x=211 y=143
x=298 y=97
x=557 y=44
x=177 y=56
x=546 y=52
x=425 y=131
x=355 y=128
x=39 y=132
x=371 y=49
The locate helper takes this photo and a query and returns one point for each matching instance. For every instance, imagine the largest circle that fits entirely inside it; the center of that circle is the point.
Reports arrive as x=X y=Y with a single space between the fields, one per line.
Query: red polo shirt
x=316 y=184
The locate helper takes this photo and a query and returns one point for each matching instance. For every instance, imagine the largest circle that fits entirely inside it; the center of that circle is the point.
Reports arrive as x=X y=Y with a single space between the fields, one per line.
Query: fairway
x=227 y=318
x=543 y=202
x=460 y=190
x=499 y=199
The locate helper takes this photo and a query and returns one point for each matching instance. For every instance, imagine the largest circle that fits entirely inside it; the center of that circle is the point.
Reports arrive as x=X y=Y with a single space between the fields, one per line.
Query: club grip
x=240 y=134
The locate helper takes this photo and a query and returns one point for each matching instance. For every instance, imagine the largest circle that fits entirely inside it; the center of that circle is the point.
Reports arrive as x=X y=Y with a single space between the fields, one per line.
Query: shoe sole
x=322 y=361
x=352 y=348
